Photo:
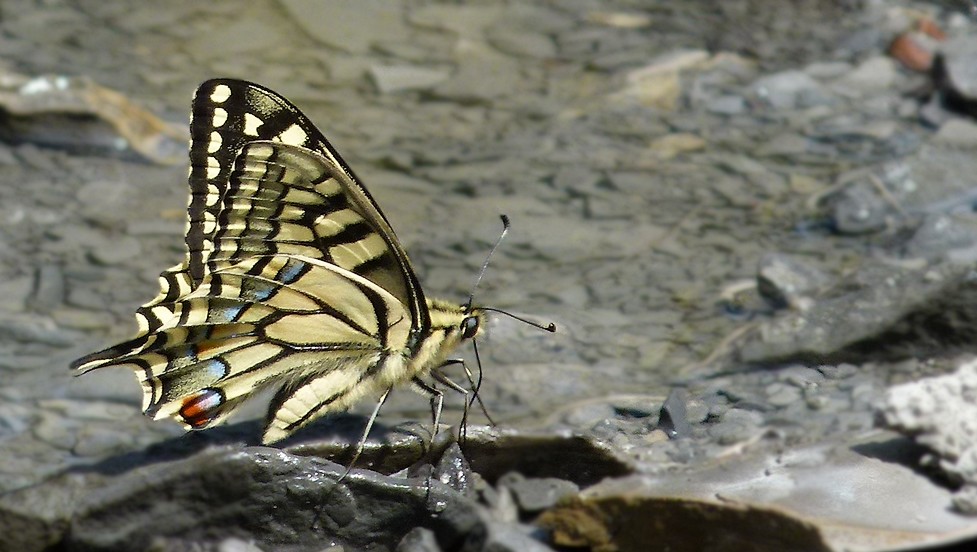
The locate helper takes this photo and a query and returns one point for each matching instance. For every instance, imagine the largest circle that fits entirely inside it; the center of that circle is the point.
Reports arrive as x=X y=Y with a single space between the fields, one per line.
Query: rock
x=419 y=539
x=673 y=418
x=507 y=537
x=789 y=90
x=943 y=237
x=955 y=74
x=882 y=311
x=117 y=251
x=397 y=78
x=672 y=145
x=534 y=495
x=858 y=209
x=727 y=105
x=483 y=76
x=958 y=133
x=272 y=498
x=872 y=76
x=657 y=84
x=941 y=414
x=521 y=42
x=736 y=426
x=453 y=470
x=827 y=69
x=788 y=282
x=768 y=503
x=49 y=288
x=348 y=18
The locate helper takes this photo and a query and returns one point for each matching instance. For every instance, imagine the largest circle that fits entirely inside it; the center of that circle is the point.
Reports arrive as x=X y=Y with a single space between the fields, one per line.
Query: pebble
x=789 y=90
x=674 y=416
x=858 y=209
x=781 y=394
x=418 y=539
x=117 y=251
x=872 y=76
x=737 y=425
x=727 y=105
x=534 y=495
x=958 y=133
x=232 y=544
x=788 y=282
x=49 y=288
x=958 y=75
x=390 y=79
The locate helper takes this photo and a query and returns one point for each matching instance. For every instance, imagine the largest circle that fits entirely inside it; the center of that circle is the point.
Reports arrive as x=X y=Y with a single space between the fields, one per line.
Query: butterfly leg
x=437 y=403
x=366 y=433
x=471 y=394
x=440 y=377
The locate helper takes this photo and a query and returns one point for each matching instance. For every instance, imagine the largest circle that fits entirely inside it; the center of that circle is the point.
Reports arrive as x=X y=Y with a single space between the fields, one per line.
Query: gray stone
x=827 y=69
x=507 y=537
x=727 y=105
x=33 y=329
x=534 y=495
x=419 y=539
x=781 y=394
x=116 y=251
x=788 y=282
x=453 y=470
x=959 y=133
x=237 y=545
x=521 y=42
x=49 y=288
x=346 y=21
x=956 y=70
x=789 y=90
x=882 y=311
x=397 y=78
x=258 y=491
x=737 y=425
x=674 y=417
x=939 y=236
x=872 y=76
x=858 y=209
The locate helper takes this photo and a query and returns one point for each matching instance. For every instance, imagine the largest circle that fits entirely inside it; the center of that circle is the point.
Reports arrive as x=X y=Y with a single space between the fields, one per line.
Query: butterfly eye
x=469 y=327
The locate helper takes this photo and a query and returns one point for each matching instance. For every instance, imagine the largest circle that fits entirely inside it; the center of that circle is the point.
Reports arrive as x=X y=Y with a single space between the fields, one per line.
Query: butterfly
x=293 y=279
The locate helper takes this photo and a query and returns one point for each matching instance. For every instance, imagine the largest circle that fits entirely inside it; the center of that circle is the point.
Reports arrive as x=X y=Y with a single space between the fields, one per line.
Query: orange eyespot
x=201 y=408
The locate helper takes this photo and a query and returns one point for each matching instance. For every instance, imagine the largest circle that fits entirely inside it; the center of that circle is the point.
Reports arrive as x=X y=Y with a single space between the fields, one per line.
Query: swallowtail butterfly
x=293 y=279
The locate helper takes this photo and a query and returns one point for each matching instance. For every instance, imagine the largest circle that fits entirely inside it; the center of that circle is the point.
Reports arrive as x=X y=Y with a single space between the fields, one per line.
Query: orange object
x=929 y=28
x=908 y=51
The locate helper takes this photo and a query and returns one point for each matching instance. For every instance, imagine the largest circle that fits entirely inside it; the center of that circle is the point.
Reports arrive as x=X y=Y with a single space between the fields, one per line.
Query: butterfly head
x=457 y=322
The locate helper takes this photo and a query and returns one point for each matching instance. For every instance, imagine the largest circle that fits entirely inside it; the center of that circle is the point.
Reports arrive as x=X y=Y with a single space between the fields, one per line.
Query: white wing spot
x=215 y=142
x=294 y=135
x=220 y=117
x=251 y=124
x=213 y=167
x=220 y=94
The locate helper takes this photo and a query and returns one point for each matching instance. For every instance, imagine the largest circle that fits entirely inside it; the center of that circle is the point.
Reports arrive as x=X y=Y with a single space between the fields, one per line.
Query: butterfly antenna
x=551 y=327
x=478 y=280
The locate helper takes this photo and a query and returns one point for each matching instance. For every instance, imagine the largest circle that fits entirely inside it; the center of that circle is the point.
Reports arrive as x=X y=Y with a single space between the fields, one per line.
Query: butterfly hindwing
x=268 y=320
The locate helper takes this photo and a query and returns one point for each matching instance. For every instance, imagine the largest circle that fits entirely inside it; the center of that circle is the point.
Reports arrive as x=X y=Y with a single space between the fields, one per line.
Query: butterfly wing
x=290 y=320
x=226 y=114
x=295 y=292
